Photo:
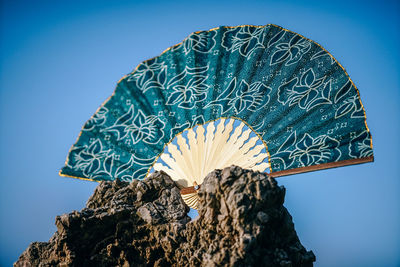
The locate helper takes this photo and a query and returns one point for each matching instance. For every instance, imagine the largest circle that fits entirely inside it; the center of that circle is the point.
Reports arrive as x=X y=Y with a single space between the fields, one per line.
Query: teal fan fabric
x=287 y=88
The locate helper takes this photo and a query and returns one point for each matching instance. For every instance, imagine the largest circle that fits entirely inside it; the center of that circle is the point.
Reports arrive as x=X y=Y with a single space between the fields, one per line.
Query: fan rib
x=185 y=158
x=198 y=154
x=192 y=154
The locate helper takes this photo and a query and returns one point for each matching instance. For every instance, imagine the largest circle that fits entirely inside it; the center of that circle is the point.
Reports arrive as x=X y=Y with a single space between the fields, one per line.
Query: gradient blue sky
x=61 y=59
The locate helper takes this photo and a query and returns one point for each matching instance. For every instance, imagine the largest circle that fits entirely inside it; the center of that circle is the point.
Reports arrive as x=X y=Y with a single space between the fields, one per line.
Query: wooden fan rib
x=255 y=151
x=214 y=148
x=257 y=159
x=186 y=158
x=208 y=142
x=260 y=167
x=234 y=144
x=247 y=146
x=191 y=200
x=171 y=172
x=223 y=145
x=175 y=164
x=201 y=150
x=193 y=146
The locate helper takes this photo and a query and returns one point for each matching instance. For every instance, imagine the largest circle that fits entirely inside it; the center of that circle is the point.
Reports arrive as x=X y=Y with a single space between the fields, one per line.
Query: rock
x=241 y=222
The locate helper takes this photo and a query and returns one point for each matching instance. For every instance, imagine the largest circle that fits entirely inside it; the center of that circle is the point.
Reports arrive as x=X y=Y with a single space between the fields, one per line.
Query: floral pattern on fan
x=275 y=38
x=246 y=40
x=360 y=145
x=322 y=53
x=306 y=151
x=243 y=97
x=202 y=42
x=349 y=104
x=306 y=92
x=291 y=52
x=187 y=94
x=98 y=163
x=98 y=119
x=178 y=128
x=144 y=76
x=89 y=159
x=127 y=172
x=138 y=127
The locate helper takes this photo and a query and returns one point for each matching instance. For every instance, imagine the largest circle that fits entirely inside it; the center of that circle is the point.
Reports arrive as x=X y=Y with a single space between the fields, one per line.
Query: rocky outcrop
x=241 y=222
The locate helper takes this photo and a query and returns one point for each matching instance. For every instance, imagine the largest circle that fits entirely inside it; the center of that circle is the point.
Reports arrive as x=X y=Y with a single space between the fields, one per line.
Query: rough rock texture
x=241 y=222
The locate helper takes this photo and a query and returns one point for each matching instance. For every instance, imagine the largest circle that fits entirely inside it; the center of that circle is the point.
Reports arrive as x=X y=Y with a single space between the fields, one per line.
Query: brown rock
x=241 y=222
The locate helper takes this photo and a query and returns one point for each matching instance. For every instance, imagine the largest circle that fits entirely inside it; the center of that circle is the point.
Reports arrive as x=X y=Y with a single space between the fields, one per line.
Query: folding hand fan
x=260 y=97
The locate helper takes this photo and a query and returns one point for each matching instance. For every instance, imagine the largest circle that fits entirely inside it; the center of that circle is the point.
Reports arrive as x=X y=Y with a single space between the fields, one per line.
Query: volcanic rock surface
x=241 y=222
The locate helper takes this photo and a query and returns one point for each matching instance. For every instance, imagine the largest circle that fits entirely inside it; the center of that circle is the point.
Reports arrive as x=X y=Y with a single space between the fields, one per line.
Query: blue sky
x=61 y=59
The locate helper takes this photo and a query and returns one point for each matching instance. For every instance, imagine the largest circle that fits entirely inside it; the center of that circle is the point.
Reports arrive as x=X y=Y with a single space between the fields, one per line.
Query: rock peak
x=241 y=222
